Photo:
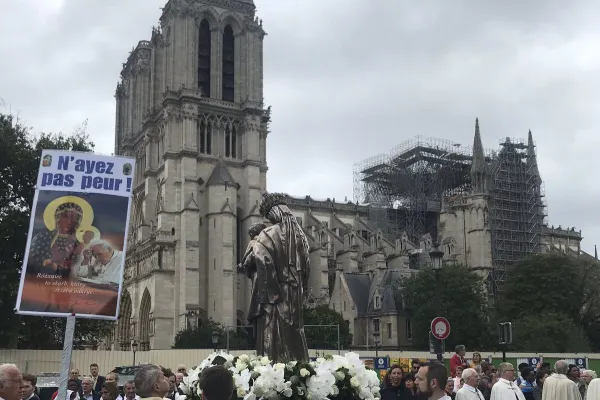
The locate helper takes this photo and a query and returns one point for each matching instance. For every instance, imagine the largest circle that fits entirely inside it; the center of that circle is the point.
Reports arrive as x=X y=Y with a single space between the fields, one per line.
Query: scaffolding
x=517 y=210
x=405 y=188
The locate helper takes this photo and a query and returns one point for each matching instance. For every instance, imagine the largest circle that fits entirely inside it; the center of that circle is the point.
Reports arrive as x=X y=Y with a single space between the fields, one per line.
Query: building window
x=233 y=142
x=377 y=302
x=204 y=49
x=389 y=330
x=409 y=330
x=344 y=305
x=228 y=64
x=376 y=325
x=204 y=137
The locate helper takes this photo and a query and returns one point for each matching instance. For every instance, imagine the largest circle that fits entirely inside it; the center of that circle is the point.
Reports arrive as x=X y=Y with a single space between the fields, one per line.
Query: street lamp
x=436 y=256
x=215 y=340
x=376 y=341
x=134 y=347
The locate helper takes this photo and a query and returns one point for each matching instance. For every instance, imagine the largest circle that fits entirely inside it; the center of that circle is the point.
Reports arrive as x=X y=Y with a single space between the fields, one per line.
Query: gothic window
x=233 y=142
x=227 y=140
x=204 y=48
x=377 y=302
x=409 y=329
x=389 y=330
x=204 y=137
x=228 y=64
x=159 y=150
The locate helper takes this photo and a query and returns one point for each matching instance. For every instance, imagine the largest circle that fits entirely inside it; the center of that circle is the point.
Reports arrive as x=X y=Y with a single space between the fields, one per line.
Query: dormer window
x=377 y=302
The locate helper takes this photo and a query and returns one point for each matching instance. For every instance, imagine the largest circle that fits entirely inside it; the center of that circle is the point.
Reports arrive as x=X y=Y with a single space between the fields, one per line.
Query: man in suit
x=28 y=387
x=98 y=380
x=87 y=389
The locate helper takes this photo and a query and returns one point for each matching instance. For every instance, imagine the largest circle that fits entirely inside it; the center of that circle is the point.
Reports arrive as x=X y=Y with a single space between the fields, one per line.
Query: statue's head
x=268 y=201
x=255 y=229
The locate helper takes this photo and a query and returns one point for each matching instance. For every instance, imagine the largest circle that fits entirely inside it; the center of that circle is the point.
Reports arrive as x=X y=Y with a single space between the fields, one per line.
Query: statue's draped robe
x=58 y=248
x=282 y=267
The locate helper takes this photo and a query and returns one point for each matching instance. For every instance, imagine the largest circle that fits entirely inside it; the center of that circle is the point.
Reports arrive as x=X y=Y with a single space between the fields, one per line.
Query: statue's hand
x=241 y=269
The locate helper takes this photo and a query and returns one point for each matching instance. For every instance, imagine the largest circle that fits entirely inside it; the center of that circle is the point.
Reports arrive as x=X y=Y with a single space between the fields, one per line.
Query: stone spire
x=478 y=166
x=532 y=158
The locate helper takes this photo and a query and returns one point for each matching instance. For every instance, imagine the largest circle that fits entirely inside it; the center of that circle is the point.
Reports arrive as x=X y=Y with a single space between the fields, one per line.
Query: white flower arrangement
x=257 y=378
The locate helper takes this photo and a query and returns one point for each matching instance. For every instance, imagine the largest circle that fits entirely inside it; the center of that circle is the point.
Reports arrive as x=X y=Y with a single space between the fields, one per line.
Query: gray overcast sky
x=349 y=79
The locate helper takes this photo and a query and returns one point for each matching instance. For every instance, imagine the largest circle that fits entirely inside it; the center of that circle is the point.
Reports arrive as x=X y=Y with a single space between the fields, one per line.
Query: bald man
x=10 y=382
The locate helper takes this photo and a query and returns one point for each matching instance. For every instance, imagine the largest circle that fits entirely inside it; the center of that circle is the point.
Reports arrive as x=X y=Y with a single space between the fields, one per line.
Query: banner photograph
x=75 y=251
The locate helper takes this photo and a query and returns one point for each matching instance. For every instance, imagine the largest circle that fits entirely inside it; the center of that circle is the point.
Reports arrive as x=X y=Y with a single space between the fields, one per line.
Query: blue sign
x=381 y=363
x=581 y=362
x=533 y=362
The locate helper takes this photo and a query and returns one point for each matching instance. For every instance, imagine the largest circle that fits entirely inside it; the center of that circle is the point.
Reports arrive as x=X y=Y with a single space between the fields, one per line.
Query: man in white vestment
x=558 y=387
x=469 y=390
x=106 y=264
x=505 y=388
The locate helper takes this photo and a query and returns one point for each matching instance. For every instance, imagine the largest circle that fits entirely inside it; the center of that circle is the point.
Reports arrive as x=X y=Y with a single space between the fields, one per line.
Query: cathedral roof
x=221 y=175
x=358 y=285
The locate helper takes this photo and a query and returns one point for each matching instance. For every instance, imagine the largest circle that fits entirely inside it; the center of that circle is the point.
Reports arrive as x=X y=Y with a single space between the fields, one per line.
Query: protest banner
x=76 y=246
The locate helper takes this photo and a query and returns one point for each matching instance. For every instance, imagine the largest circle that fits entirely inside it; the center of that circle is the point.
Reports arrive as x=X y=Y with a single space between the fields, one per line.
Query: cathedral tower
x=190 y=109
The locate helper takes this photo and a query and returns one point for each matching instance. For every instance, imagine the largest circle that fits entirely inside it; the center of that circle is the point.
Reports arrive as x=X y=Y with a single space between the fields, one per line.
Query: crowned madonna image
x=277 y=259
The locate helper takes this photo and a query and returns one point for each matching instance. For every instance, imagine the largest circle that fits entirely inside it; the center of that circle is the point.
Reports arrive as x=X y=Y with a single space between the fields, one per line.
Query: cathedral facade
x=190 y=110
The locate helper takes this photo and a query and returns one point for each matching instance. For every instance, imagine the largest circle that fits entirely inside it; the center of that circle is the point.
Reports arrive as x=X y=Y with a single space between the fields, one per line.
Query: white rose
x=265 y=361
x=354 y=381
x=335 y=390
x=244 y=358
x=279 y=366
x=304 y=373
x=240 y=365
x=287 y=392
x=340 y=376
x=375 y=389
x=241 y=392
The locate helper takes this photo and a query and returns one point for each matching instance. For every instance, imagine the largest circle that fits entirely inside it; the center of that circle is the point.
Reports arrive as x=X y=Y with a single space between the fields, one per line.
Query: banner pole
x=65 y=363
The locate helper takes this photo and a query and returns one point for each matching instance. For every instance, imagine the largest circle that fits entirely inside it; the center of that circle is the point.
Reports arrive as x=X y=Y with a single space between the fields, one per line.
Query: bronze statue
x=278 y=260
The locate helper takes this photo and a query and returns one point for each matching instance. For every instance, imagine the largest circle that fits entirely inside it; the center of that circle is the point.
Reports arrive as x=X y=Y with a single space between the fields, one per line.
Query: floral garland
x=257 y=378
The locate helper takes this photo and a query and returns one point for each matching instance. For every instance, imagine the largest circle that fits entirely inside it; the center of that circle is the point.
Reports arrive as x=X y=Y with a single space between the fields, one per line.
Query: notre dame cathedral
x=189 y=108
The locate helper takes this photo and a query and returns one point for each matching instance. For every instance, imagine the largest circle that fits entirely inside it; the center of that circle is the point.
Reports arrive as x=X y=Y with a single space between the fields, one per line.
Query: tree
x=458 y=296
x=548 y=333
x=554 y=288
x=326 y=337
x=201 y=337
x=19 y=162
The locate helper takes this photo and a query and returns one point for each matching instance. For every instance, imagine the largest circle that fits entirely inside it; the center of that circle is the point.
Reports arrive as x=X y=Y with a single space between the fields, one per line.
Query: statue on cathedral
x=277 y=259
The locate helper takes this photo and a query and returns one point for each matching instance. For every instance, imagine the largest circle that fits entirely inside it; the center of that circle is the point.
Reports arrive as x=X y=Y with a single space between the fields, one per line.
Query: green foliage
x=553 y=290
x=201 y=337
x=458 y=296
x=326 y=337
x=549 y=333
x=20 y=155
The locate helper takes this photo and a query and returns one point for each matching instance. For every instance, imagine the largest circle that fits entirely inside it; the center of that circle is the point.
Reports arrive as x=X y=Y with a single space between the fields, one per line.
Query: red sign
x=440 y=328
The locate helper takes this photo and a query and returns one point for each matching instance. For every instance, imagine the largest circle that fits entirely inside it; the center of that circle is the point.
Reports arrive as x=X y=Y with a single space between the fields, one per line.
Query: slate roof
x=363 y=289
x=221 y=175
x=359 y=284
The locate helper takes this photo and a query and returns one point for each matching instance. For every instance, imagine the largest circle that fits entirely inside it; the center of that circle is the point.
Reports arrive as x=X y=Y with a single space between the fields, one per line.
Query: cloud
x=348 y=80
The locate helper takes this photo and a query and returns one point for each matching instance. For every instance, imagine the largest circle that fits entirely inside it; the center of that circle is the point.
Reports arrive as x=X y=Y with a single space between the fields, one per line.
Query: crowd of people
x=481 y=380
x=425 y=381
x=15 y=385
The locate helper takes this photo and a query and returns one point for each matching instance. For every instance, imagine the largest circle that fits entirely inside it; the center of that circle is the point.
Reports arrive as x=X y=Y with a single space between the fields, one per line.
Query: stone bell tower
x=190 y=109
